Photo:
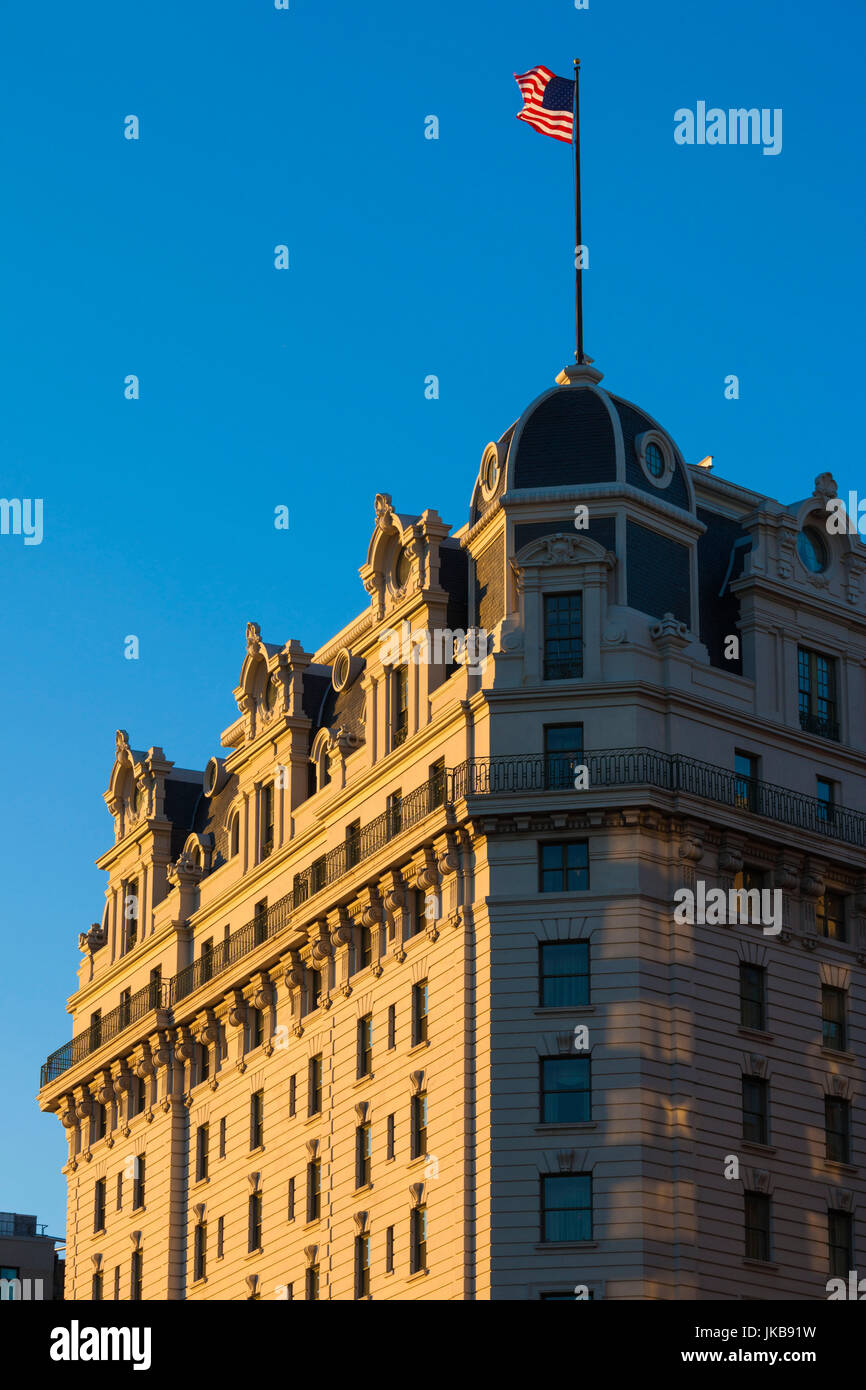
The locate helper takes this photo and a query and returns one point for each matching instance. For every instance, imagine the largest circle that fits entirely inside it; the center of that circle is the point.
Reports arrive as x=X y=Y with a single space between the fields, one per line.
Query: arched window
x=235 y=835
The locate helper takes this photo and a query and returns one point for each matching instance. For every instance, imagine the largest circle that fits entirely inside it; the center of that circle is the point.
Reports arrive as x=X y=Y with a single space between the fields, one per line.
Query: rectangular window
x=98 y=1122
x=314 y=1189
x=293 y=1095
x=566 y=1096
x=392 y=1025
x=566 y=1207
x=563 y=754
x=311 y=1282
x=363 y=1155
x=436 y=783
x=266 y=819
x=755 y=1109
x=135 y=1277
x=418 y=1126
x=826 y=794
x=400 y=696
x=753 y=996
x=221 y=1231
x=830 y=916
x=363 y=947
x=254 y=1240
x=417 y=911
x=206 y=966
x=138 y=1183
x=138 y=1095
x=563 y=974
x=155 y=1000
x=222 y=1137
x=257 y=1027
x=420 y=1003
x=365 y=1046
x=362 y=1266
x=291 y=1202
x=116 y=1283
x=260 y=921
x=840 y=1237
x=757 y=1225
x=353 y=844
x=314 y=1085
x=95 y=1030
x=257 y=1119
x=95 y=1287
x=130 y=913
x=201 y=1152
x=99 y=1205
x=563 y=636
x=394 y=811
x=746 y=774
x=418 y=1240
x=816 y=686
x=837 y=1129
x=389 y=1250
x=389 y=1140
x=203 y=1062
x=563 y=866
x=125 y=1007
x=199 y=1263
x=833 y=1029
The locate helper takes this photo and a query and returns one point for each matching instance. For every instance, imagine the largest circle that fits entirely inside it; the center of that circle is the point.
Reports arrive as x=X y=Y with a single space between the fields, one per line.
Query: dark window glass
x=654 y=458
x=566 y=1097
x=392 y=1025
x=755 y=1109
x=840 y=1233
x=400 y=678
x=293 y=1095
x=757 y=1225
x=816 y=687
x=418 y=1239
x=135 y=1277
x=95 y=1285
x=314 y=1085
x=563 y=636
x=222 y=1137
x=419 y=1125
x=125 y=1006
x=753 y=981
x=206 y=959
x=364 y=947
x=353 y=844
x=419 y=1012
x=257 y=1027
x=199 y=1262
x=201 y=1152
x=566 y=1207
x=389 y=1141
x=837 y=1129
x=266 y=814
x=825 y=792
x=362 y=1266
x=395 y=812
x=365 y=1046
x=564 y=866
x=833 y=1029
x=291 y=1202
x=436 y=782
x=138 y=1182
x=746 y=769
x=99 y=1205
x=254 y=1241
x=257 y=1119
x=311 y=1282
x=564 y=974
x=389 y=1250
x=563 y=754
x=221 y=1227
x=417 y=913
x=314 y=1190
x=363 y=1155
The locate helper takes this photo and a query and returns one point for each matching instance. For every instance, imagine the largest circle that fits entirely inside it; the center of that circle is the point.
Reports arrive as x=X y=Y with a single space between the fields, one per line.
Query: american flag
x=548 y=103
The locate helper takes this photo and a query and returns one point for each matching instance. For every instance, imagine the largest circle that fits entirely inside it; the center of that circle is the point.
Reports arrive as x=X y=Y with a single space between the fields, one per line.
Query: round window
x=812 y=550
x=489 y=472
x=655 y=462
x=270 y=694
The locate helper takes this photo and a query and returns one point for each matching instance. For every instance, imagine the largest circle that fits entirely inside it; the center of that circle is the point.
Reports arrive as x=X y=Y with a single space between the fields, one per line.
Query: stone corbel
x=426 y=868
x=341 y=926
x=184 y=1045
x=83 y=1103
x=416 y=1192
x=371 y=907
x=319 y=940
x=731 y=854
x=209 y=1028
x=91 y=940
x=104 y=1090
x=293 y=977
x=394 y=892
x=447 y=853
x=263 y=990
x=237 y=1010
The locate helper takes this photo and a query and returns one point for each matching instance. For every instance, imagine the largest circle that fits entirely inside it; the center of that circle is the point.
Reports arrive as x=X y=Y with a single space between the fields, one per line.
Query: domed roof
x=578 y=434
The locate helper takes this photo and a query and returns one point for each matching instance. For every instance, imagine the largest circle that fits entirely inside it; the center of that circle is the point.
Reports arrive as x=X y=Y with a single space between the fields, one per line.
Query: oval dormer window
x=403 y=568
x=812 y=550
x=655 y=462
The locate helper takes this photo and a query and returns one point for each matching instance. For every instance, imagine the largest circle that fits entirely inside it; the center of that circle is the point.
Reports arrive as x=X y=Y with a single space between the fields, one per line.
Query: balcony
x=822 y=725
x=497 y=776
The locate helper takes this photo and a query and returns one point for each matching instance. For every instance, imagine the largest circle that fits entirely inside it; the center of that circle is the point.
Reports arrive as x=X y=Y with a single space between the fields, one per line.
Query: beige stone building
x=393 y=1001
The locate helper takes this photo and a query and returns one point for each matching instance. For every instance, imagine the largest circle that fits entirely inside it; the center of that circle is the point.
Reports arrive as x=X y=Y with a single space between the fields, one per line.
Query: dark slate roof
x=210 y=818
x=720 y=561
x=635 y=422
x=316 y=686
x=567 y=440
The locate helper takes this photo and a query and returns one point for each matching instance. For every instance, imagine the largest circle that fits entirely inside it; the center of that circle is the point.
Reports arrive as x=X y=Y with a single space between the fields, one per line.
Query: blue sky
x=305 y=388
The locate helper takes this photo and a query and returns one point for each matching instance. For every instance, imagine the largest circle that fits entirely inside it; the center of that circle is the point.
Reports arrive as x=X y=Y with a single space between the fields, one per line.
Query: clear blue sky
x=306 y=387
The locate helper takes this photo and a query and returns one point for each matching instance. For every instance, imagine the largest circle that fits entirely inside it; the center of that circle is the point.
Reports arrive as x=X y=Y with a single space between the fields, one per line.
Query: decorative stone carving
x=319 y=940
x=294 y=974
x=416 y=1192
x=416 y=1079
x=825 y=486
x=92 y=939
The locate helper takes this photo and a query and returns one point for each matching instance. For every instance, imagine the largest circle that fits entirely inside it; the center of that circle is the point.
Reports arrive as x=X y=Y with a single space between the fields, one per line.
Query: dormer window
x=654 y=461
x=812 y=550
x=402 y=568
x=655 y=458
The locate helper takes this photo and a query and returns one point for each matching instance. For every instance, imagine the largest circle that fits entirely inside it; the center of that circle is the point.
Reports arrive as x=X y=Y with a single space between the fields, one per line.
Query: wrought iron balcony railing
x=494 y=776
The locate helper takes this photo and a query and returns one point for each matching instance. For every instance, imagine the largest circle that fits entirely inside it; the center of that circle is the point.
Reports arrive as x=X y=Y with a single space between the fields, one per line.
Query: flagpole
x=578 y=256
